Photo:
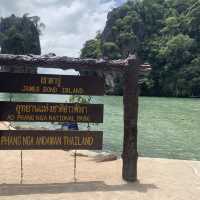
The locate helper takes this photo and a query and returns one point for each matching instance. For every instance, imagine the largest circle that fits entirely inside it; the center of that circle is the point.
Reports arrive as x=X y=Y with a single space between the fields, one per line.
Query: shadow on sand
x=55 y=188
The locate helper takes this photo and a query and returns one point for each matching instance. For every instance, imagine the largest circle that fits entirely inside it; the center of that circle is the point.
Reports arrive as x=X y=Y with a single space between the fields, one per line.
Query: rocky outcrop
x=113 y=83
x=97 y=157
x=105 y=157
x=113 y=80
x=6 y=126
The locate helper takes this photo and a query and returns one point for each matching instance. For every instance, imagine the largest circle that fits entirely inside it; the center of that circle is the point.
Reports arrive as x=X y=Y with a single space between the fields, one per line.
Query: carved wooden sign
x=51 y=84
x=30 y=140
x=51 y=112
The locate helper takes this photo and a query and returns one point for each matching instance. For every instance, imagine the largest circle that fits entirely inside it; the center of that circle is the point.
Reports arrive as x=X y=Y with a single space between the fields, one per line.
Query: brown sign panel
x=30 y=140
x=51 y=84
x=51 y=112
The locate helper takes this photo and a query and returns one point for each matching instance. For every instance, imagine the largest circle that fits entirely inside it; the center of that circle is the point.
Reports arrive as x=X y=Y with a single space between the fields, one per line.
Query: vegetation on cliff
x=164 y=33
x=20 y=35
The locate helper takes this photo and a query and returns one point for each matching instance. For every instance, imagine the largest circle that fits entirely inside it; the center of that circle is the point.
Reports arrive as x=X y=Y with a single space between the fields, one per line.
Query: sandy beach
x=49 y=175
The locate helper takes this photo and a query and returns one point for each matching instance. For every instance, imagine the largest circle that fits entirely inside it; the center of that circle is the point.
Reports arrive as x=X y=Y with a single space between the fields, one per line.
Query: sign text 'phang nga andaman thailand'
x=33 y=140
x=51 y=112
x=51 y=84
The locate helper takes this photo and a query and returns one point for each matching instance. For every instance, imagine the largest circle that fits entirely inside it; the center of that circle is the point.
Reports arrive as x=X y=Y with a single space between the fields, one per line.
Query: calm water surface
x=167 y=128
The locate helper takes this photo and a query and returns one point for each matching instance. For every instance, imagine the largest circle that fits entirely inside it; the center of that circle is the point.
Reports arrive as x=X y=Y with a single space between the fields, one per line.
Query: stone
x=105 y=157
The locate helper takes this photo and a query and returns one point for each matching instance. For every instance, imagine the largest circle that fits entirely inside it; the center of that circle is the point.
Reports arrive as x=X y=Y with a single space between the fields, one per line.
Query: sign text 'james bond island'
x=51 y=84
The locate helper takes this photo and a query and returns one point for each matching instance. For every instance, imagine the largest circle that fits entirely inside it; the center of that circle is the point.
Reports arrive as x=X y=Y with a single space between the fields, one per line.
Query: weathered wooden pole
x=130 y=100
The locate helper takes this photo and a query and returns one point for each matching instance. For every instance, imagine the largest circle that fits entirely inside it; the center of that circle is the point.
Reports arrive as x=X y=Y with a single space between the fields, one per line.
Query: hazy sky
x=69 y=23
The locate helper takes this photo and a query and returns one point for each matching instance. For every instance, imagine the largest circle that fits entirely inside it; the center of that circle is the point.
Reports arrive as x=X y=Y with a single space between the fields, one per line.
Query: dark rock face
x=112 y=79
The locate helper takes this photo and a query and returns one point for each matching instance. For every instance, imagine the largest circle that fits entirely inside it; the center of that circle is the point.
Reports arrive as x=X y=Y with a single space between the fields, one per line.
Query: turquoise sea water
x=167 y=127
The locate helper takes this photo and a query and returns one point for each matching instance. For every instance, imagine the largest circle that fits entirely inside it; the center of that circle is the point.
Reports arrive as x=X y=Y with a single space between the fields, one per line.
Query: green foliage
x=20 y=35
x=188 y=82
x=110 y=50
x=13 y=42
x=2 y=38
x=92 y=49
x=164 y=33
x=80 y=99
x=177 y=50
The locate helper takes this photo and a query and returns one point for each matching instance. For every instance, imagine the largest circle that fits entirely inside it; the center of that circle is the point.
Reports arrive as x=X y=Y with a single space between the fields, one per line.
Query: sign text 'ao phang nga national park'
x=50 y=112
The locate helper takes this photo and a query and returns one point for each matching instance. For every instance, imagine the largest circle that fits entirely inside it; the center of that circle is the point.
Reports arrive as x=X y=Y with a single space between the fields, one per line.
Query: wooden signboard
x=51 y=112
x=130 y=69
x=32 y=140
x=51 y=84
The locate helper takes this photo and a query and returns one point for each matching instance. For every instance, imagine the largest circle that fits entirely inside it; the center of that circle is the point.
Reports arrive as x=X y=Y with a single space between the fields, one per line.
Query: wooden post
x=130 y=154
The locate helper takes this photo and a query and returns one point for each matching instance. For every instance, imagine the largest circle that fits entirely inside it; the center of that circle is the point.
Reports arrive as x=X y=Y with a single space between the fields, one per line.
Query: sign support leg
x=21 y=153
x=22 y=174
x=75 y=159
